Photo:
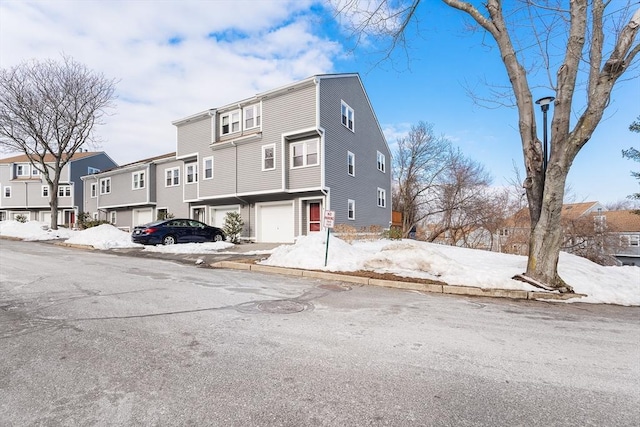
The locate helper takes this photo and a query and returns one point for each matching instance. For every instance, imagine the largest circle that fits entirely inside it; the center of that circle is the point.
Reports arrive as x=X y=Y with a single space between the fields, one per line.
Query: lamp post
x=544 y=105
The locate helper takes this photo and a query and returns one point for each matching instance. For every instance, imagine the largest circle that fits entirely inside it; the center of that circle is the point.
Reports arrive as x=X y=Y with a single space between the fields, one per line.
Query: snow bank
x=104 y=236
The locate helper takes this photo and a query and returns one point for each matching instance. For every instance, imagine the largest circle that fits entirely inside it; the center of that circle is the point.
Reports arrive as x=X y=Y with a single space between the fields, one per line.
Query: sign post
x=329 y=219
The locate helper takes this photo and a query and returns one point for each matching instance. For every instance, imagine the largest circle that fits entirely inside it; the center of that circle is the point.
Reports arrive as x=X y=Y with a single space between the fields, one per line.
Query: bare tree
x=634 y=154
x=607 y=53
x=458 y=199
x=48 y=110
x=419 y=160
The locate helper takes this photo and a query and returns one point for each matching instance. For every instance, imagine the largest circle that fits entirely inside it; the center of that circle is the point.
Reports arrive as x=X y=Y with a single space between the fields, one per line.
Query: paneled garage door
x=275 y=222
x=218 y=215
x=142 y=216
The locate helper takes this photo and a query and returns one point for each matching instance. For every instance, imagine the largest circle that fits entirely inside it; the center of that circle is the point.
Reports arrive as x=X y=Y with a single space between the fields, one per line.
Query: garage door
x=142 y=216
x=218 y=215
x=275 y=222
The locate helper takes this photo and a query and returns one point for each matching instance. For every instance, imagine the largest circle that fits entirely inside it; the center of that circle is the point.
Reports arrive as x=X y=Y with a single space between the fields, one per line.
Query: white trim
x=264 y=147
x=350 y=156
x=142 y=182
x=230 y=115
x=194 y=174
x=178 y=168
x=304 y=143
x=380 y=155
x=254 y=107
x=349 y=202
x=347 y=107
x=107 y=179
x=383 y=192
x=204 y=168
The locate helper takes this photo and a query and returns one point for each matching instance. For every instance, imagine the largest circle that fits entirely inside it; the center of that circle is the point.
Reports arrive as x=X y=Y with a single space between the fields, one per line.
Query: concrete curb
x=423 y=287
x=75 y=246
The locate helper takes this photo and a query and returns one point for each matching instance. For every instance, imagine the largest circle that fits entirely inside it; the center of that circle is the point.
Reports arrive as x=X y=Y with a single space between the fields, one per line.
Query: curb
x=423 y=287
x=75 y=245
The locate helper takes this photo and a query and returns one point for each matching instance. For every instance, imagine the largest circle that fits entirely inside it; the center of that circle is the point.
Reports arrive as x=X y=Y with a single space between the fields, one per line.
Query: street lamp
x=544 y=105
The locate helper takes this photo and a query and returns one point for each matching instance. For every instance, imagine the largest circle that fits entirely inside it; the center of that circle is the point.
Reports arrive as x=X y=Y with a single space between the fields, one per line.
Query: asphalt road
x=91 y=338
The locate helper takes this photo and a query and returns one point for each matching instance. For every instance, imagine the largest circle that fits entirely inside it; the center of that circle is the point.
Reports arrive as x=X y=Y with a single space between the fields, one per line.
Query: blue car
x=171 y=231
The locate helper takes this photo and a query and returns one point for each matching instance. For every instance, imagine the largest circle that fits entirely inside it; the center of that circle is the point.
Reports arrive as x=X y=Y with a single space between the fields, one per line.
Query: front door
x=314 y=216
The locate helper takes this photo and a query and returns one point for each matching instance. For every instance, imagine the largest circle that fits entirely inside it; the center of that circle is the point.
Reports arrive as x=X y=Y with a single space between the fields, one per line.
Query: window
x=64 y=191
x=382 y=198
x=191 y=171
x=351 y=209
x=207 y=166
x=304 y=153
x=35 y=171
x=113 y=217
x=91 y=170
x=7 y=192
x=172 y=177
x=94 y=190
x=268 y=157
x=105 y=186
x=230 y=122
x=347 y=116
x=381 y=162
x=634 y=240
x=252 y=116
x=351 y=163
x=137 y=180
x=45 y=191
x=22 y=170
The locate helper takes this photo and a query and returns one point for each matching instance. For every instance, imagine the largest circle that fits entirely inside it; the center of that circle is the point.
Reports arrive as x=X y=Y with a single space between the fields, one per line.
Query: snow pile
x=104 y=236
x=33 y=230
x=457 y=266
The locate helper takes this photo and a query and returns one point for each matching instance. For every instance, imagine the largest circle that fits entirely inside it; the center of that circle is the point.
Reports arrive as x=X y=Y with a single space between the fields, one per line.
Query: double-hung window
x=207 y=168
x=64 y=191
x=351 y=163
x=7 y=192
x=138 y=180
x=230 y=122
x=35 y=171
x=191 y=172
x=381 y=162
x=304 y=153
x=45 y=191
x=94 y=190
x=351 y=209
x=382 y=198
x=268 y=157
x=347 y=116
x=172 y=177
x=252 y=116
x=105 y=186
x=22 y=170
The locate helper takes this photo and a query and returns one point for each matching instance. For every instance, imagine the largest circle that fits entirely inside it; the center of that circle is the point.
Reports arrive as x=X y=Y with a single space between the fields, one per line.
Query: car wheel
x=169 y=240
x=217 y=238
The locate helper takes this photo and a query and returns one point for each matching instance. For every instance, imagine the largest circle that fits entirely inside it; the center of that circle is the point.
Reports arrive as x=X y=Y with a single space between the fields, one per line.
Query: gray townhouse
x=135 y=193
x=24 y=191
x=280 y=159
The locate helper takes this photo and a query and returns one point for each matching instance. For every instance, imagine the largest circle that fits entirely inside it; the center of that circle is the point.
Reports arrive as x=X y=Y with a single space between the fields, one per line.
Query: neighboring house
x=280 y=159
x=128 y=195
x=589 y=230
x=24 y=191
x=623 y=227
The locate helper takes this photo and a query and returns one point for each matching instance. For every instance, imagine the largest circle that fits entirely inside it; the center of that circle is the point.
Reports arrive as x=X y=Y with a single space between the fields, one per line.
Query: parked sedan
x=171 y=231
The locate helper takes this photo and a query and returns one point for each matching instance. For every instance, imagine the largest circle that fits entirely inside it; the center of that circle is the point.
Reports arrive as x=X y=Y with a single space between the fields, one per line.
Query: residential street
x=92 y=338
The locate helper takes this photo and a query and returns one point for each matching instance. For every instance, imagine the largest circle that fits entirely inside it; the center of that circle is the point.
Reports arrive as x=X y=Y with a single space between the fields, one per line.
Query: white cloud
x=223 y=51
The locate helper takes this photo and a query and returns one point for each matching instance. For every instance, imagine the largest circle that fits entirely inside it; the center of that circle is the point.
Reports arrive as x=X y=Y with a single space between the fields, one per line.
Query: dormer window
x=252 y=116
x=230 y=122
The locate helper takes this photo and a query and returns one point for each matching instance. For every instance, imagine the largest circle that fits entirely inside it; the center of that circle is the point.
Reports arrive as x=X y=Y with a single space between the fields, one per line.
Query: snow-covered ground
x=455 y=266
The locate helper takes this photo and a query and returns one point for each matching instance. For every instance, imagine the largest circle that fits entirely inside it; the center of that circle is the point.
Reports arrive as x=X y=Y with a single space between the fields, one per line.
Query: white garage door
x=218 y=215
x=275 y=222
x=142 y=216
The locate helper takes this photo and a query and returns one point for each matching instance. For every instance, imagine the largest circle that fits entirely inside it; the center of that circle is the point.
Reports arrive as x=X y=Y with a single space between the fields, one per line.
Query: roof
x=139 y=162
x=49 y=158
x=574 y=210
x=622 y=221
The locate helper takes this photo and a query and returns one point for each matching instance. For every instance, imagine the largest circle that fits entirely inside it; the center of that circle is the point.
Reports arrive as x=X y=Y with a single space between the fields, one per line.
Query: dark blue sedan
x=171 y=231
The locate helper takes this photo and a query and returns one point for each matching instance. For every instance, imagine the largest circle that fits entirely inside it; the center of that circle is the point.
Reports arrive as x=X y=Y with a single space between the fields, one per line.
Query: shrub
x=233 y=225
x=162 y=215
x=85 y=221
x=21 y=218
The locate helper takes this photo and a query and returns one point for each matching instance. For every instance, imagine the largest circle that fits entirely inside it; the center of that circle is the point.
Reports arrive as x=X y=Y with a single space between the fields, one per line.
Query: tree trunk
x=546 y=235
x=53 y=202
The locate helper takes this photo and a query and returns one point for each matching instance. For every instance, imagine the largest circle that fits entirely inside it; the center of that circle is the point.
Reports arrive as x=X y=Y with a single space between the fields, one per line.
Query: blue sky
x=177 y=58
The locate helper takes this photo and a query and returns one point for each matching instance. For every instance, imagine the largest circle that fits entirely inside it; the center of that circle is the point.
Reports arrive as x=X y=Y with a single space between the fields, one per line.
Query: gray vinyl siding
x=365 y=142
x=193 y=136
x=122 y=192
x=170 y=198
x=224 y=173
